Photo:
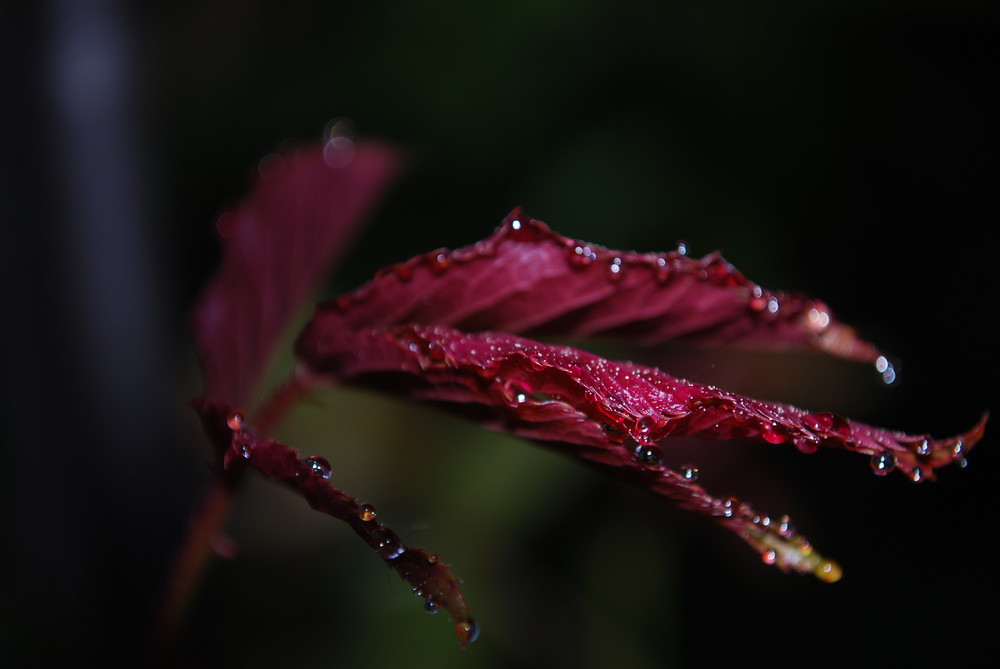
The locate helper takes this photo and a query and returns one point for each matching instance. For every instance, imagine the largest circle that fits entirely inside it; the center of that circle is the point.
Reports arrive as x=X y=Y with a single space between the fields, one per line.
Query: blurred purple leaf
x=278 y=244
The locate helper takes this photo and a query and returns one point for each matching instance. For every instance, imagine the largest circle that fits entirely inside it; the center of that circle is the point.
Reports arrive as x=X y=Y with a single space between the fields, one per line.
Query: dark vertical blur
x=93 y=497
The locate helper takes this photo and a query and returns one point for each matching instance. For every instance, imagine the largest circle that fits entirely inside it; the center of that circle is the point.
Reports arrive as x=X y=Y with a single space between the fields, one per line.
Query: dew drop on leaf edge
x=883 y=463
x=319 y=466
x=467 y=631
x=367 y=512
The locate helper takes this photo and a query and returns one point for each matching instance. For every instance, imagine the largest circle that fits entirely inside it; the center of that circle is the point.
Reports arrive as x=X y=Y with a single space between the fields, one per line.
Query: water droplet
x=661 y=270
x=774 y=433
x=435 y=352
x=270 y=166
x=319 y=466
x=772 y=304
x=828 y=572
x=651 y=456
x=958 y=448
x=367 y=512
x=523 y=228
x=917 y=475
x=467 y=631
x=430 y=606
x=388 y=544
x=923 y=447
x=819 y=422
x=886 y=369
x=580 y=256
x=235 y=421
x=339 y=152
x=769 y=556
x=962 y=463
x=729 y=506
x=438 y=261
x=682 y=248
x=818 y=319
x=616 y=270
x=689 y=473
x=883 y=463
x=645 y=425
x=805 y=445
x=433 y=558
x=785 y=529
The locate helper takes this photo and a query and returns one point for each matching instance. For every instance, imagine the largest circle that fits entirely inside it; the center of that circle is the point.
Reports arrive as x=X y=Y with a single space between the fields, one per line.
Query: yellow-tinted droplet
x=367 y=512
x=467 y=631
x=828 y=571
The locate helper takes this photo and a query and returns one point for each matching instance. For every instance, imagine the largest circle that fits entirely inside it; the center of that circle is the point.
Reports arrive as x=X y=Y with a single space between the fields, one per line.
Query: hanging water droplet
x=319 y=466
x=923 y=447
x=431 y=606
x=917 y=475
x=388 y=544
x=651 y=456
x=957 y=448
x=886 y=369
x=367 y=512
x=770 y=556
x=774 y=433
x=433 y=558
x=883 y=463
x=805 y=445
x=235 y=421
x=962 y=463
x=828 y=572
x=645 y=425
x=689 y=473
x=467 y=631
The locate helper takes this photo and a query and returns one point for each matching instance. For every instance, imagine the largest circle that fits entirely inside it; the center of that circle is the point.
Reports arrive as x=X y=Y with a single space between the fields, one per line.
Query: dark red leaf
x=613 y=414
x=528 y=280
x=278 y=243
x=430 y=578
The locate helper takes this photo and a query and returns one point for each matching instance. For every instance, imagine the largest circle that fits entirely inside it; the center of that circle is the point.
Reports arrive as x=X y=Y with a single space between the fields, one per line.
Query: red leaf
x=612 y=414
x=526 y=279
x=425 y=572
x=278 y=244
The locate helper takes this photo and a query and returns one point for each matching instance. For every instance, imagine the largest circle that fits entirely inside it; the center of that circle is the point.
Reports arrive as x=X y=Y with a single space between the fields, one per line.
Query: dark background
x=847 y=149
